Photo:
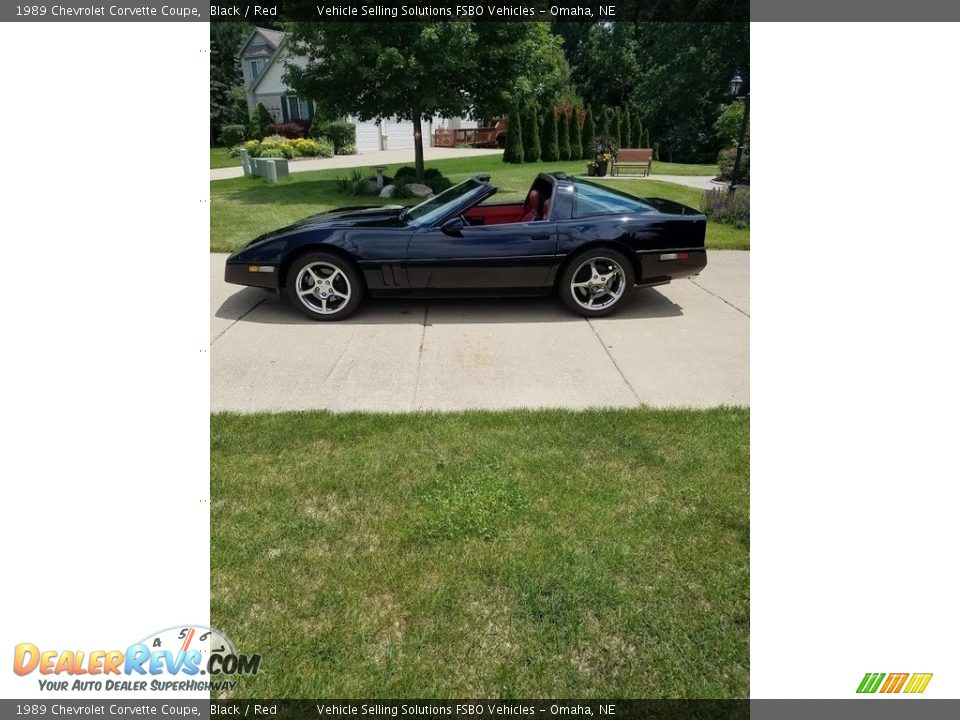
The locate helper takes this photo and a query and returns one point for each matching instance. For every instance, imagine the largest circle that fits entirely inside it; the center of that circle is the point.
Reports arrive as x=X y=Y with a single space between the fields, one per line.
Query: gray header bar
x=854 y=11
x=98 y=11
x=872 y=708
x=569 y=10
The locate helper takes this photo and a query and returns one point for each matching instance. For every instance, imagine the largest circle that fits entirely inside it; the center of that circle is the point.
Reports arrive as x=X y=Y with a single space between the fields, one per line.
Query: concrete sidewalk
x=382 y=157
x=701 y=182
x=684 y=344
x=389 y=157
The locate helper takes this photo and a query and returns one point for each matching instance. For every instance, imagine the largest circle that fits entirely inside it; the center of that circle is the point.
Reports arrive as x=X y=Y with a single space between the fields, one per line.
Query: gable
x=271 y=81
x=260 y=43
x=257 y=48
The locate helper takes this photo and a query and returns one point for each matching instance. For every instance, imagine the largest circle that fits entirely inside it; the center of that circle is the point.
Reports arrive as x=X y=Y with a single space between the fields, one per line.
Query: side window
x=256 y=67
x=591 y=200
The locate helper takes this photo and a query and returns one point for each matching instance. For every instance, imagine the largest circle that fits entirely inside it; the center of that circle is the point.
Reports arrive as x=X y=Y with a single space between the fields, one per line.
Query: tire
x=596 y=282
x=324 y=286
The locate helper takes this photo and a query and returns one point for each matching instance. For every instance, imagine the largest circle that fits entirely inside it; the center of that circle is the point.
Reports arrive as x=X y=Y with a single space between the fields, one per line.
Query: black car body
x=457 y=244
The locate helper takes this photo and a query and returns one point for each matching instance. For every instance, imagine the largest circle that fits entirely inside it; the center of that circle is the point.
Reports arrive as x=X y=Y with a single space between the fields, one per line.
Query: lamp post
x=736 y=84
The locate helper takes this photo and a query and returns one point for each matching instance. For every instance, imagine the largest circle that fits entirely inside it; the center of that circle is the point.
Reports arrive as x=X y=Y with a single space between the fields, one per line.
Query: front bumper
x=262 y=276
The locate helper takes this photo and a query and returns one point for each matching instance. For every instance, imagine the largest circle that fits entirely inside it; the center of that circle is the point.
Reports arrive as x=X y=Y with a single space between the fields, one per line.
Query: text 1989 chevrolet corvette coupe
x=587 y=242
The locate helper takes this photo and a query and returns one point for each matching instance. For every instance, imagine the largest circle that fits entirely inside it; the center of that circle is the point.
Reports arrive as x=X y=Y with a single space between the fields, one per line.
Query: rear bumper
x=661 y=267
x=263 y=276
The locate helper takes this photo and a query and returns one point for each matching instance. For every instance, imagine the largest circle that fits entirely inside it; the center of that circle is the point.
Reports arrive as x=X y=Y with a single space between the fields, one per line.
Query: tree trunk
x=418 y=144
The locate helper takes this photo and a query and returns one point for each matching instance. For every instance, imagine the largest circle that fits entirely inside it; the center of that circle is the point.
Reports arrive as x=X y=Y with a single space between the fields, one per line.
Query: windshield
x=434 y=208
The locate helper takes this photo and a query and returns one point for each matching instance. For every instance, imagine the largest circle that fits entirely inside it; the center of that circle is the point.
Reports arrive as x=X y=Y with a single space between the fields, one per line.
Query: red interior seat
x=531 y=207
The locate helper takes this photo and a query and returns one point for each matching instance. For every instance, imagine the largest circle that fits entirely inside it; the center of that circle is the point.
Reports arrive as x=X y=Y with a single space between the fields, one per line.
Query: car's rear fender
x=622 y=248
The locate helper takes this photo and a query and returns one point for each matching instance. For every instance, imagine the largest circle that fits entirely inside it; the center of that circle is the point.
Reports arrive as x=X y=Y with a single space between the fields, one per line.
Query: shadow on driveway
x=251 y=305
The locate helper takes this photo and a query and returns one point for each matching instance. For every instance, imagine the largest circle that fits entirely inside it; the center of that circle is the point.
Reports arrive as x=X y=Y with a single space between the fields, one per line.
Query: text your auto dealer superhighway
x=117 y=11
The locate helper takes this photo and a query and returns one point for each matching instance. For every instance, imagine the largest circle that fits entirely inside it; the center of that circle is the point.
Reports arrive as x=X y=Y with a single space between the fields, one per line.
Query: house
x=264 y=58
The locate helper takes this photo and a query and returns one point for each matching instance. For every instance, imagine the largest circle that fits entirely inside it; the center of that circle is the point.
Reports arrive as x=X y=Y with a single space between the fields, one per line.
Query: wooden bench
x=638 y=158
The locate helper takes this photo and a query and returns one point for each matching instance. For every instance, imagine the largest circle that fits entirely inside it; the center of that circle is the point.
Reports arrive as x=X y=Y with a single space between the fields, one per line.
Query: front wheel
x=596 y=282
x=323 y=286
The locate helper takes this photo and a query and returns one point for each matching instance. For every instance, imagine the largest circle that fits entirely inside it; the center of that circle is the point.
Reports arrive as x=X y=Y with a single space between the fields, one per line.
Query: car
x=588 y=243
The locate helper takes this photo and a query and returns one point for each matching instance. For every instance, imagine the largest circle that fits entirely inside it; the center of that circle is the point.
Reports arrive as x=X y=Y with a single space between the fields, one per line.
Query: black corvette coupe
x=587 y=242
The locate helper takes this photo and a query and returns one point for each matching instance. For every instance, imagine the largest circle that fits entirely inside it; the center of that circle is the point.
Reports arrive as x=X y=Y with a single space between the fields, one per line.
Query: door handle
x=544 y=236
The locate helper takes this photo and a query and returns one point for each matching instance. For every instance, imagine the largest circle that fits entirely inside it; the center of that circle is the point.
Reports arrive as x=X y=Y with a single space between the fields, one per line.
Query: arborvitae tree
x=531 y=134
x=563 y=136
x=513 y=151
x=603 y=121
x=258 y=122
x=587 y=134
x=646 y=138
x=576 y=146
x=550 y=146
x=636 y=135
x=626 y=134
x=616 y=126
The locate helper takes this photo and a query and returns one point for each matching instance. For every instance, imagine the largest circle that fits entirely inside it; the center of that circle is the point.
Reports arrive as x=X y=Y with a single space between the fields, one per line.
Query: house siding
x=257 y=48
x=271 y=83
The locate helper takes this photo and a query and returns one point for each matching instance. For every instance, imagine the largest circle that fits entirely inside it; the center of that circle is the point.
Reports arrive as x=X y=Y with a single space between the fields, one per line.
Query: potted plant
x=604 y=149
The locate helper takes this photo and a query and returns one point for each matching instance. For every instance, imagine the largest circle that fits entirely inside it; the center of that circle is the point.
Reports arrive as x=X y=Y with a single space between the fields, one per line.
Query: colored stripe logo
x=894 y=682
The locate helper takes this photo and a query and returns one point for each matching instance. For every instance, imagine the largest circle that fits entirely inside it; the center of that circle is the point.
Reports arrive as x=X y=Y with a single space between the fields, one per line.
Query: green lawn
x=520 y=554
x=220 y=158
x=242 y=208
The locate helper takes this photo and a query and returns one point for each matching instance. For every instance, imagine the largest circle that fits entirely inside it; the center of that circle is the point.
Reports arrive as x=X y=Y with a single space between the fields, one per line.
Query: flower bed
x=276 y=146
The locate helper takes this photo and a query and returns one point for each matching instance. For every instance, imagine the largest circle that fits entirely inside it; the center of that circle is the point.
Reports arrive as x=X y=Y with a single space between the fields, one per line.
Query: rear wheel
x=323 y=286
x=597 y=282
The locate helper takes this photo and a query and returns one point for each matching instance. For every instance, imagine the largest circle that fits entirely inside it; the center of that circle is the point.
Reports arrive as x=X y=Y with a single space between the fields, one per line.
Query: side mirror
x=453 y=227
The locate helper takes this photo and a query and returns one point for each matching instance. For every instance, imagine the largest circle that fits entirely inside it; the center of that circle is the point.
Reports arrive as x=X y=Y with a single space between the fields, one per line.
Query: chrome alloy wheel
x=323 y=288
x=598 y=283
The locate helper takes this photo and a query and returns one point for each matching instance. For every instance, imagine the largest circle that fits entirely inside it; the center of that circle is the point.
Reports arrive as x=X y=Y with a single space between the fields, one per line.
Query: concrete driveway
x=680 y=345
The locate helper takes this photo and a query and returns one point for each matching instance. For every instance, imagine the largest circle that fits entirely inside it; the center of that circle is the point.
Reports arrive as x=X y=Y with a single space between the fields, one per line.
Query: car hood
x=355 y=216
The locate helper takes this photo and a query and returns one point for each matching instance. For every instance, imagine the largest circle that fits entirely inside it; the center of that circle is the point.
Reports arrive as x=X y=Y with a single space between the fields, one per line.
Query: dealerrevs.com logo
x=182 y=658
x=910 y=683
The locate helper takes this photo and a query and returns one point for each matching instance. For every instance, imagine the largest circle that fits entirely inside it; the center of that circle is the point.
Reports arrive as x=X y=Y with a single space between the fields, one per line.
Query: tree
x=551 y=145
x=415 y=70
x=626 y=132
x=521 y=64
x=587 y=134
x=258 y=122
x=646 y=138
x=727 y=126
x=636 y=135
x=603 y=121
x=576 y=146
x=531 y=134
x=616 y=126
x=673 y=74
x=603 y=60
x=696 y=60
x=513 y=148
x=228 y=103
x=563 y=136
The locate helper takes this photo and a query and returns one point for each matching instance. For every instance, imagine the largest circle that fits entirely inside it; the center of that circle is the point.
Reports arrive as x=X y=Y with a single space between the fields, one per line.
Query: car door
x=510 y=256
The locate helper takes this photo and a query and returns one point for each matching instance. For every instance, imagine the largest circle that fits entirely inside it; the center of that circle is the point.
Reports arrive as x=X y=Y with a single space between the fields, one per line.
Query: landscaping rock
x=388 y=191
x=418 y=190
x=371 y=187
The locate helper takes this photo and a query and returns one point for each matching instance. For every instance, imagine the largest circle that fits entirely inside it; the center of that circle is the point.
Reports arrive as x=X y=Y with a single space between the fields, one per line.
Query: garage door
x=399 y=133
x=368 y=136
